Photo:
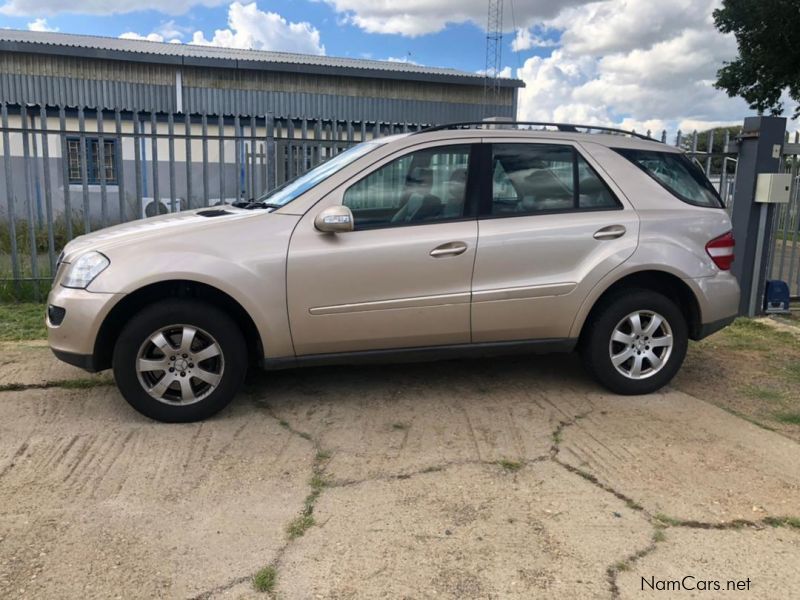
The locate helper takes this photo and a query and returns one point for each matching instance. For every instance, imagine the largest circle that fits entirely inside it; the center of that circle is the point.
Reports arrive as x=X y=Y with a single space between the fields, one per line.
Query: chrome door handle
x=611 y=232
x=449 y=249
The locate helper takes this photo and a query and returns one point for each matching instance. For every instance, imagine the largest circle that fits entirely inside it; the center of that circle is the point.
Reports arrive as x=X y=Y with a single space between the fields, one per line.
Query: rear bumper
x=718 y=301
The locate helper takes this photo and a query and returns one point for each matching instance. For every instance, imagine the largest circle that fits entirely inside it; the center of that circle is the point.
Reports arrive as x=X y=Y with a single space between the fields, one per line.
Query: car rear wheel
x=179 y=361
x=635 y=342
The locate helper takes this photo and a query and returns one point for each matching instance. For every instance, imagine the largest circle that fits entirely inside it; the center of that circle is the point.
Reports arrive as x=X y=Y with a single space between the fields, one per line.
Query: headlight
x=83 y=271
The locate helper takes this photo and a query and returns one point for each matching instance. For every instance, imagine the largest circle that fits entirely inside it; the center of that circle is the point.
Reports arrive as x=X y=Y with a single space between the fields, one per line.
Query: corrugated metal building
x=106 y=129
x=58 y=69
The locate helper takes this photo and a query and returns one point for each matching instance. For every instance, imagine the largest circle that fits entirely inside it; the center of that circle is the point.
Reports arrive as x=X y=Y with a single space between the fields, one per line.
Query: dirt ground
x=503 y=478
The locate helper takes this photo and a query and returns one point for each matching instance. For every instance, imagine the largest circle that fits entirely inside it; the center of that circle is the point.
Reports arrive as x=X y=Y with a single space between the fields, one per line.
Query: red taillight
x=720 y=249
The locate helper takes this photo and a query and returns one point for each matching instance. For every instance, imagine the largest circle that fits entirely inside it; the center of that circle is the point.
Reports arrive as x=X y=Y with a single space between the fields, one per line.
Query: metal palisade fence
x=784 y=260
x=68 y=171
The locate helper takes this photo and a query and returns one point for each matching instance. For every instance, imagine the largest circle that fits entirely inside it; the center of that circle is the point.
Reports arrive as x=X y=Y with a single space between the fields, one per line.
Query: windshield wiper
x=252 y=205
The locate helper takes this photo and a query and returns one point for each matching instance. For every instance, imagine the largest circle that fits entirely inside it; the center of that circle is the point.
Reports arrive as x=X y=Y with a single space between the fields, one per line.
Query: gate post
x=760 y=146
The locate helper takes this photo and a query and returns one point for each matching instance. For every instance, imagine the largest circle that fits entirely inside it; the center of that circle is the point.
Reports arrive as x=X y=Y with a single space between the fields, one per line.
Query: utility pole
x=494 y=50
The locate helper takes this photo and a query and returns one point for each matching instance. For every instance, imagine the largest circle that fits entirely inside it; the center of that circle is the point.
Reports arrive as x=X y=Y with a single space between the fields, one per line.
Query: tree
x=768 y=35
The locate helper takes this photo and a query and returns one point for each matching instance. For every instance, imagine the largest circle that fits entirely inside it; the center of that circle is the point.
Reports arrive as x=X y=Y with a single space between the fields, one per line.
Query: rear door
x=550 y=227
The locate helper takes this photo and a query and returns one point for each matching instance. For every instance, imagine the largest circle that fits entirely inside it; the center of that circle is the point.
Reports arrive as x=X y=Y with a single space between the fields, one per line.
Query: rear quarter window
x=675 y=172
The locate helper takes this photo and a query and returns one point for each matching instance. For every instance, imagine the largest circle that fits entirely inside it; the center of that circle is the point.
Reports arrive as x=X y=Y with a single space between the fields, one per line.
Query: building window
x=93 y=167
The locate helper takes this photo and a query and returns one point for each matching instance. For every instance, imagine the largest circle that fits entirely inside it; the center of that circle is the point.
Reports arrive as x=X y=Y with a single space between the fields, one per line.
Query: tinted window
x=536 y=178
x=424 y=186
x=676 y=173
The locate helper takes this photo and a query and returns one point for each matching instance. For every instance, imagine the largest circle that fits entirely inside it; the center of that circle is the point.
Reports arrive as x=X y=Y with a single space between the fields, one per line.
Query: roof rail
x=565 y=127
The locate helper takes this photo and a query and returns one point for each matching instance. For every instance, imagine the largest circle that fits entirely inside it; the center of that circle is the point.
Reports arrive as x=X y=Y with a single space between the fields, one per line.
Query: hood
x=134 y=232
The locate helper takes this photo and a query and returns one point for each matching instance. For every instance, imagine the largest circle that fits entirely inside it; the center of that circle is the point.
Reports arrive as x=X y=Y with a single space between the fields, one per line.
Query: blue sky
x=459 y=45
x=637 y=63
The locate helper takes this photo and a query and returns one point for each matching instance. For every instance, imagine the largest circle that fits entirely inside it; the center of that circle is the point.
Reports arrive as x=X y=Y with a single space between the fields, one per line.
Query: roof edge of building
x=147 y=51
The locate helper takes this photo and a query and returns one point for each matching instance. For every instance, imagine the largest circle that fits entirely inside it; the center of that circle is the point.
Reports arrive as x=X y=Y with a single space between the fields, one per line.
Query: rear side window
x=677 y=174
x=543 y=178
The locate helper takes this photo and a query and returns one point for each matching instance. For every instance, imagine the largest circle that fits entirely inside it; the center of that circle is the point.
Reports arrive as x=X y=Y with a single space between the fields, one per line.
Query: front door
x=402 y=278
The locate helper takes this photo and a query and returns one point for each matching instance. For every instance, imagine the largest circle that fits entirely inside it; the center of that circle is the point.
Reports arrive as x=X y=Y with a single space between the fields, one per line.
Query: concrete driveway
x=503 y=478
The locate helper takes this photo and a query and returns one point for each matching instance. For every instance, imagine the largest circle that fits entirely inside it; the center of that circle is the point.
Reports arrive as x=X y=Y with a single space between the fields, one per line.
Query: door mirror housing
x=334 y=219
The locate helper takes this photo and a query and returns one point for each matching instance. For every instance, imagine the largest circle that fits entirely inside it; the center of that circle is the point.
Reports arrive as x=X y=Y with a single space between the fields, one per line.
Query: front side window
x=421 y=187
x=541 y=178
x=94 y=170
x=677 y=174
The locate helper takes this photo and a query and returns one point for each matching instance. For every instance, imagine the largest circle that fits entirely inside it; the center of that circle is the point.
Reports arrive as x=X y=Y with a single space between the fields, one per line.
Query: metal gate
x=785 y=257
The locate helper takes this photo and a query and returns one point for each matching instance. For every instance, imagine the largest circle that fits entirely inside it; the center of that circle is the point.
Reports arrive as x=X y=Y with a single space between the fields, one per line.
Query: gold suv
x=453 y=241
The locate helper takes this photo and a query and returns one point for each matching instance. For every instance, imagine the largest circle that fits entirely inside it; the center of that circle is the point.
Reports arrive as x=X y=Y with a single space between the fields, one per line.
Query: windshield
x=299 y=185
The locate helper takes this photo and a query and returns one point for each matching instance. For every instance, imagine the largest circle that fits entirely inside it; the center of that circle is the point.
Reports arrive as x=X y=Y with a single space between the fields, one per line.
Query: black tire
x=208 y=320
x=596 y=341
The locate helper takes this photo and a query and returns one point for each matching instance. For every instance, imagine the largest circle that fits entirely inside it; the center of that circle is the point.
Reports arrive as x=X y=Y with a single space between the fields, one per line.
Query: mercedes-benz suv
x=456 y=240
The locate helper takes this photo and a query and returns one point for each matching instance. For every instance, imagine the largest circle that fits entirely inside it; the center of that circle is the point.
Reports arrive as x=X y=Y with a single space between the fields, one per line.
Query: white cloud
x=150 y=37
x=249 y=27
x=19 y=8
x=40 y=25
x=420 y=17
x=634 y=63
x=172 y=31
x=402 y=59
x=526 y=39
x=505 y=72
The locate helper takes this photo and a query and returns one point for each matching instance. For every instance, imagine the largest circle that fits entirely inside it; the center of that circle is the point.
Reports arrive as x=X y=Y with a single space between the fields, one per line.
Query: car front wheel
x=636 y=342
x=179 y=361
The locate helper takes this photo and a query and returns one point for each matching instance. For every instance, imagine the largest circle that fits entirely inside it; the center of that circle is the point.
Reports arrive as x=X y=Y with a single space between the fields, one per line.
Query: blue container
x=776 y=300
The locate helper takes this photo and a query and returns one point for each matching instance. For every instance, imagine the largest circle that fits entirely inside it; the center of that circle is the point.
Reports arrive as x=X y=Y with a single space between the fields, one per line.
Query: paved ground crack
x=69 y=384
x=659 y=521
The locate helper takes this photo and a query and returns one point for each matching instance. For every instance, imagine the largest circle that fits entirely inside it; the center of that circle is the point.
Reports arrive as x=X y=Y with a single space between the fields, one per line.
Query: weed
x=399 y=426
x=299 y=526
x=633 y=505
x=510 y=465
x=264 y=580
x=793 y=522
x=621 y=566
x=667 y=520
x=659 y=535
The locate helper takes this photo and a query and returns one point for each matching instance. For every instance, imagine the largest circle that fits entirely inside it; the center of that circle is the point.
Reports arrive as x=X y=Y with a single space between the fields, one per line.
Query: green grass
x=667 y=520
x=762 y=393
x=793 y=522
x=299 y=526
x=264 y=580
x=749 y=334
x=510 y=465
x=22 y=321
x=790 y=418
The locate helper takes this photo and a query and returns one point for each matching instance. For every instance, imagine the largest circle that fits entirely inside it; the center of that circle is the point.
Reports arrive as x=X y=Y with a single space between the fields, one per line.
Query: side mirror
x=334 y=219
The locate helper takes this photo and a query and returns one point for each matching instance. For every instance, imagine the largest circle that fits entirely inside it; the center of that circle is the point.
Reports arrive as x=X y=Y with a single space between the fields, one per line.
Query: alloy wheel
x=180 y=364
x=641 y=344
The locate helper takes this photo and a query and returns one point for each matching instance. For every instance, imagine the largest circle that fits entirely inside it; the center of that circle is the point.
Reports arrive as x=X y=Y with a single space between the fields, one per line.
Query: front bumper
x=73 y=340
